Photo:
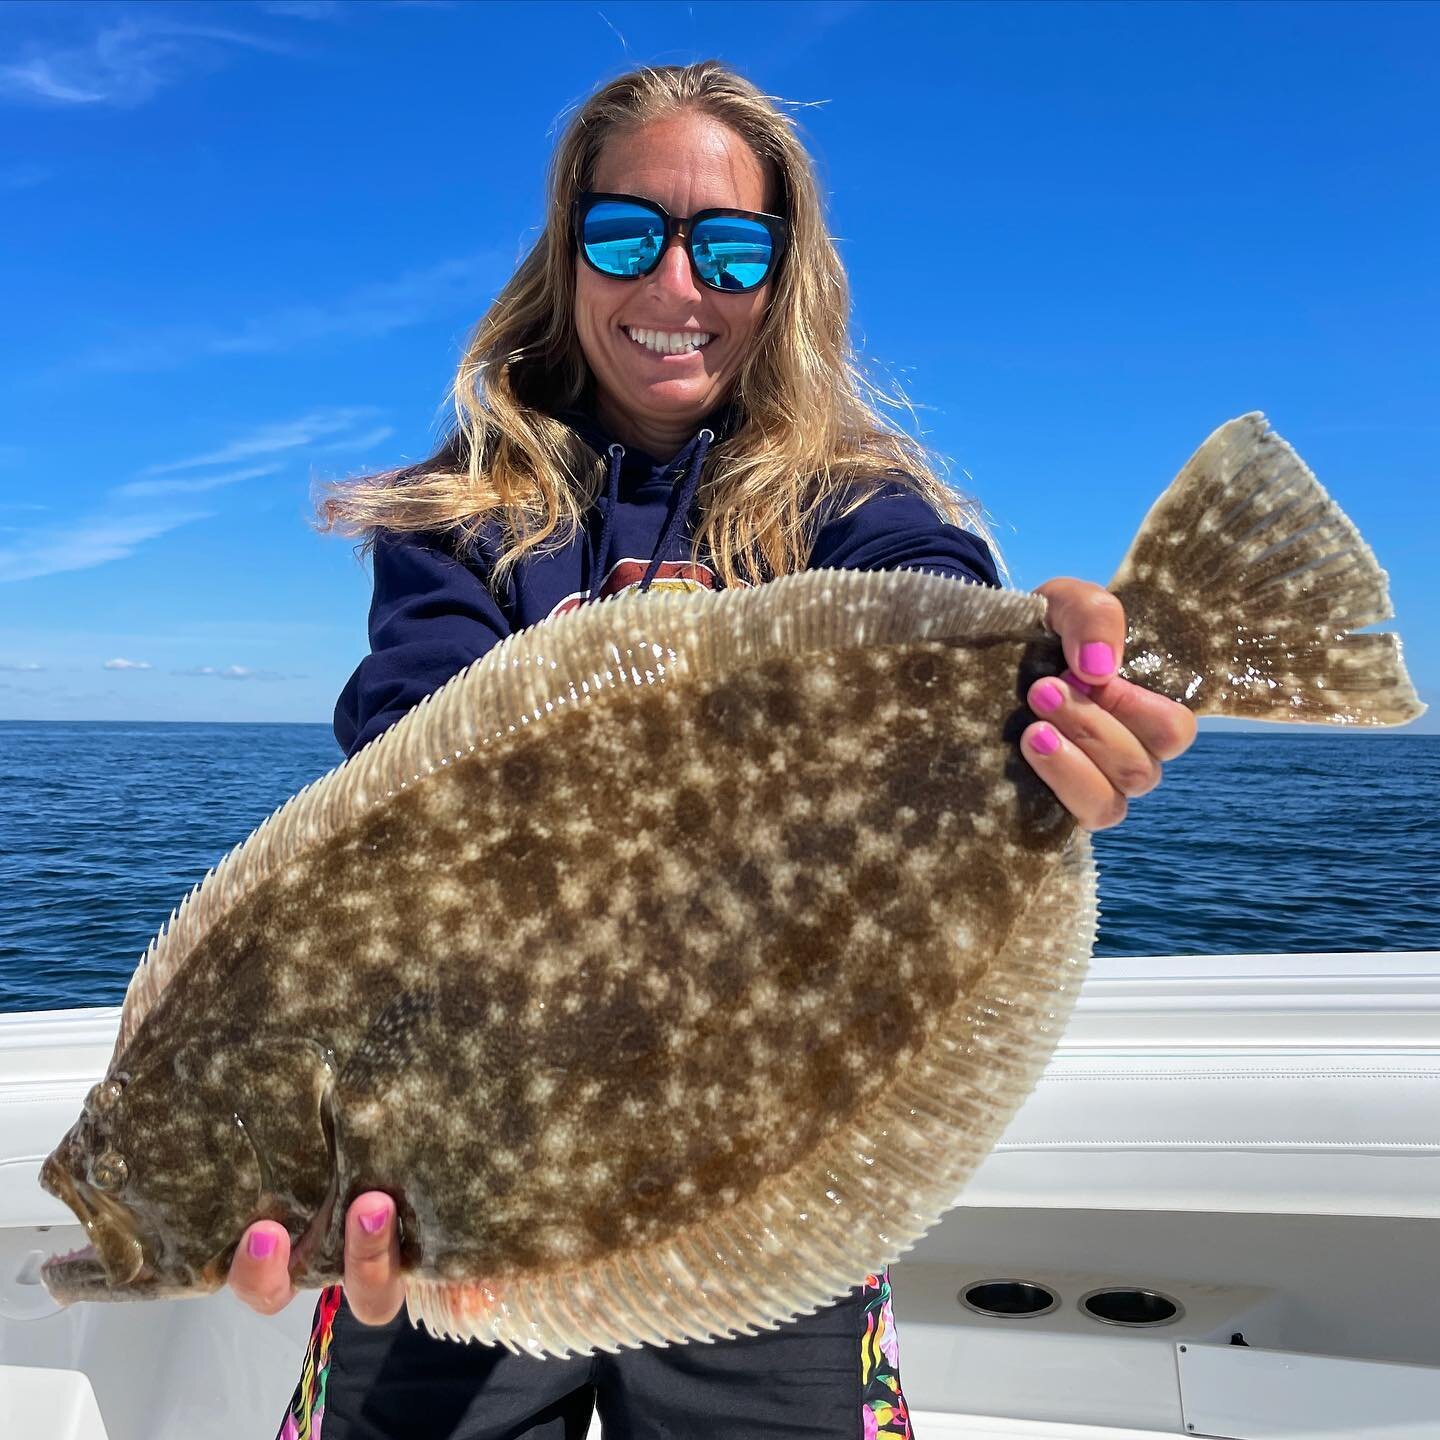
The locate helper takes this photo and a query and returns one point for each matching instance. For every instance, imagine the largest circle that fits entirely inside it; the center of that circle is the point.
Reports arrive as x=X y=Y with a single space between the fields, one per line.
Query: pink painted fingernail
x=262 y=1243
x=1097 y=658
x=1076 y=683
x=1046 y=697
x=374 y=1222
x=1044 y=741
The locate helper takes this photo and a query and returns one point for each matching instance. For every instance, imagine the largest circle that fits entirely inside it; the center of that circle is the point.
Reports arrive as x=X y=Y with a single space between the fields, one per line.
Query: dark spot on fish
x=791 y=954
x=805 y=895
x=826 y=840
x=657 y=732
x=649 y=909
x=873 y=886
x=725 y=977
x=780 y=707
x=750 y=878
x=524 y=870
x=907 y=781
x=691 y=815
x=514 y=1123
x=520 y=772
x=860 y=696
x=922 y=670
x=728 y=712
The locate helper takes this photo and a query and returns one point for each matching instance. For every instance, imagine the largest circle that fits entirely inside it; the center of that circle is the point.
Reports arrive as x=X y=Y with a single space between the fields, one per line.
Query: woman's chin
x=674 y=400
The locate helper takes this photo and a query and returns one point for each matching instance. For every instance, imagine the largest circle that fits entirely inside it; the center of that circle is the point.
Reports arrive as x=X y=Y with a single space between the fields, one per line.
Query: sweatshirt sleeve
x=896 y=530
x=431 y=615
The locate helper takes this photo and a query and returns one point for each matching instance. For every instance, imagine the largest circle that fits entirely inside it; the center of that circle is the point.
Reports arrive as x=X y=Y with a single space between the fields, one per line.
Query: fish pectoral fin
x=392 y=1044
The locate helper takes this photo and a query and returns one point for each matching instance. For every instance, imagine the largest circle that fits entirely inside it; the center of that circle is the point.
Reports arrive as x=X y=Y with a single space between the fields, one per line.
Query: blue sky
x=243 y=244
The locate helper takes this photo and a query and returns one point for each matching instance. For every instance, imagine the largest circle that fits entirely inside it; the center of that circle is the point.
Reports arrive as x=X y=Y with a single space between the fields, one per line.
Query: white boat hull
x=1256 y=1139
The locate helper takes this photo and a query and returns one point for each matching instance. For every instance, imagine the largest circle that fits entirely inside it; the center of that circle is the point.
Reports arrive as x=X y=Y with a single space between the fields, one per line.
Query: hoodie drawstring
x=612 y=493
x=681 y=512
x=683 y=501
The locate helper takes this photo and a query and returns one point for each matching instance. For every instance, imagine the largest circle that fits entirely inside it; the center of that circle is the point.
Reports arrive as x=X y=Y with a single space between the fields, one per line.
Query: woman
x=661 y=401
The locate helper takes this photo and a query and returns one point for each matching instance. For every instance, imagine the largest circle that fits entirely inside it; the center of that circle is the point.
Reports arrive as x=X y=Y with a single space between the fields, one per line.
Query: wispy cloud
x=90 y=541
x=278 y=437
x=26 y=666
x=235 y=672
x=448 y=287
x=120 y=663
x=125 y=63
x=377 y=436
x=147 y=489
x=125 y=521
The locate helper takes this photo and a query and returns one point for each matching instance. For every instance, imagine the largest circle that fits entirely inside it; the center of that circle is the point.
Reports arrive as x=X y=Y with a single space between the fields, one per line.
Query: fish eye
x=109 y=1171
x=103 y=1096
x=923 y=670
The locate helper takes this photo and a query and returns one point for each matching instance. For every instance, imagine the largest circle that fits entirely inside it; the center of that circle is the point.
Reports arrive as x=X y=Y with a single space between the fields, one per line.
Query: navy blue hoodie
x=432 y=613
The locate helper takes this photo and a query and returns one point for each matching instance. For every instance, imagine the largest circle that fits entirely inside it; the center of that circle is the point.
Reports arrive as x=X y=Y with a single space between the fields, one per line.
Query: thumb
x=374 y=1283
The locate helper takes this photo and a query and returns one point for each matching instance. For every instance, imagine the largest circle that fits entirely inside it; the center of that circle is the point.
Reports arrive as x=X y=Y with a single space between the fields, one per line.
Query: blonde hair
x=808 y=423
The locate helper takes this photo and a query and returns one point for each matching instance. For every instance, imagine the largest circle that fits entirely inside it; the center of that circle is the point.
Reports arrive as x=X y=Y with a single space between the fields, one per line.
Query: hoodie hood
x=631 y=474
x=638 y=469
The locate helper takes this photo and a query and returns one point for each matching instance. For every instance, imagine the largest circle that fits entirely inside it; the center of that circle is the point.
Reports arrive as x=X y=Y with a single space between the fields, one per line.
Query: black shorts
x=834 y=1375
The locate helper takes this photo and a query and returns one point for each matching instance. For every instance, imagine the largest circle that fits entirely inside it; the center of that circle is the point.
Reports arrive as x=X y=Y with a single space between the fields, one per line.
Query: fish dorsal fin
x=627 y=640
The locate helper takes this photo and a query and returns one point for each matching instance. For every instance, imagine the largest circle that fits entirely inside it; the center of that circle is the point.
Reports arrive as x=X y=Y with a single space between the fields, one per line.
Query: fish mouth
x=114 y=1259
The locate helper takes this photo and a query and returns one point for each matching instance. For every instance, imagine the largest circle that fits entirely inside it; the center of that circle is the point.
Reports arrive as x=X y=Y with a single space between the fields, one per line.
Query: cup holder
x=1009 y=1299
x=1136 y=1309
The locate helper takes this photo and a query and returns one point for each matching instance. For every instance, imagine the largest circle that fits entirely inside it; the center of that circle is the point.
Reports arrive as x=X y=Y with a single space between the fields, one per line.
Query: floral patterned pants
x=836 y=1373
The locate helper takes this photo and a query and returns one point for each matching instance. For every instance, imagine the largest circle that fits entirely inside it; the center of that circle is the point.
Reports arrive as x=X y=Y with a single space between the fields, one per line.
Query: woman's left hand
x=1100 y=740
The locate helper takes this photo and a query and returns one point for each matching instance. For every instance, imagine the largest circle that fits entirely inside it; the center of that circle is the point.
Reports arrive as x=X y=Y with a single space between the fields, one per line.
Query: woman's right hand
x=374 y=1284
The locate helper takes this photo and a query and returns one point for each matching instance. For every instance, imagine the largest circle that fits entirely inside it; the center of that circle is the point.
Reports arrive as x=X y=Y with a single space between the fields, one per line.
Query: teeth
x=669 y=342
x=85 y=1252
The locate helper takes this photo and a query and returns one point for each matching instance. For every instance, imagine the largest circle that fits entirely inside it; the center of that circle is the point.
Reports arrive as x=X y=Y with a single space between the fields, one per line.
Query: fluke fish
x=675 y=964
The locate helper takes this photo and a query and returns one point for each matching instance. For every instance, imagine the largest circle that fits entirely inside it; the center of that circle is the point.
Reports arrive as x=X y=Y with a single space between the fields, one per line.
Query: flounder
x=674 y=965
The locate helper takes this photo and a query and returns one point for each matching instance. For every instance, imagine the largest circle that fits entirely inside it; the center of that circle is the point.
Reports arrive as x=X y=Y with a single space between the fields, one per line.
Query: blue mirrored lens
x=622 y=239
x=732 y=252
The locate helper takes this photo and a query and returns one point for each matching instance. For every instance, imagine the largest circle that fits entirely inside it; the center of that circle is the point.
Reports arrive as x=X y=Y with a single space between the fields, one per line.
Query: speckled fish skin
x=622 y=1005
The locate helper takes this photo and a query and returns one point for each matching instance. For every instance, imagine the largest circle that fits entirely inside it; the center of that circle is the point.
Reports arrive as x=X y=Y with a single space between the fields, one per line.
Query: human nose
x=673 y=274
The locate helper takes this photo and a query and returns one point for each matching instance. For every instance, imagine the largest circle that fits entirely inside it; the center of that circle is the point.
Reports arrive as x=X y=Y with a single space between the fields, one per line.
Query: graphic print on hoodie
x=433 y=613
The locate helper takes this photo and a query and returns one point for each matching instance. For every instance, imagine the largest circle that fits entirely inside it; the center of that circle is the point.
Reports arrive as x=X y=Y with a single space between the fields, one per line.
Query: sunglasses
x=624 y=236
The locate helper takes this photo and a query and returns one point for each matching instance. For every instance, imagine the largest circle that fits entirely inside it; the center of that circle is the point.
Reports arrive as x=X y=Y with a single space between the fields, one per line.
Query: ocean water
x=1254 y=843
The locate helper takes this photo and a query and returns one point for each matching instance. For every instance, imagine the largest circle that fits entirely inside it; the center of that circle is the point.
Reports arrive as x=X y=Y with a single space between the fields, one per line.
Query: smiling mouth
x=674 y=355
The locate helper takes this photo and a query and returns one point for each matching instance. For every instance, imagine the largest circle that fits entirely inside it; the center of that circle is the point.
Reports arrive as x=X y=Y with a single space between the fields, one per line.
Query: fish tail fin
x=1244 y=586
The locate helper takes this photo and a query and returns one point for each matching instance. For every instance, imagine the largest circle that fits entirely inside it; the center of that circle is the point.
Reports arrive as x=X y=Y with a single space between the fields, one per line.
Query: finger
x=1164 y=727
x=260 y=1271
x=1078 y=785
x=374 y=1284
x=1114 y=750
x=1090 y=622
